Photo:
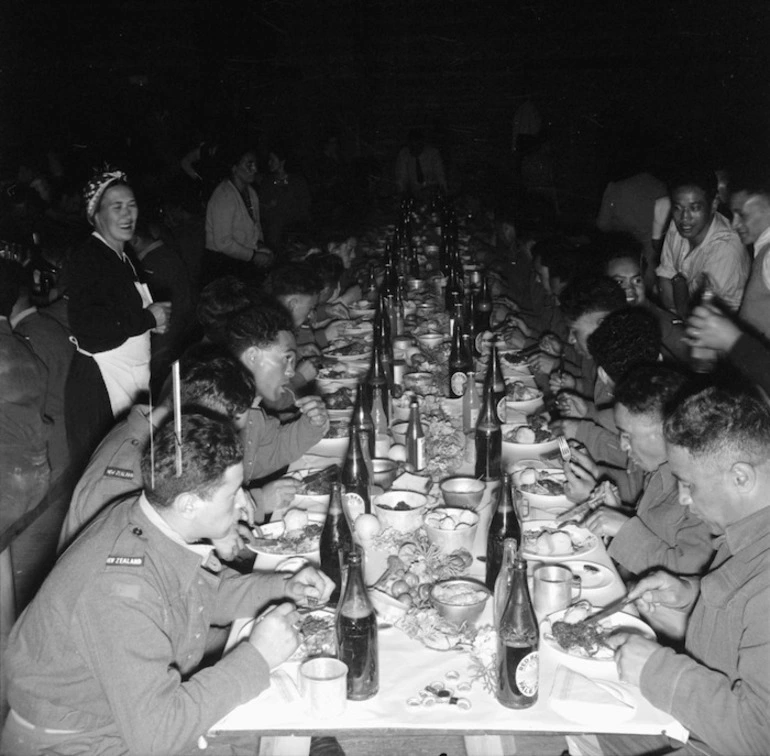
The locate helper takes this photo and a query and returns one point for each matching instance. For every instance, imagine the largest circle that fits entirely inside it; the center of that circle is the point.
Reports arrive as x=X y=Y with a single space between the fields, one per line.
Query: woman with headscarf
x=111 y=314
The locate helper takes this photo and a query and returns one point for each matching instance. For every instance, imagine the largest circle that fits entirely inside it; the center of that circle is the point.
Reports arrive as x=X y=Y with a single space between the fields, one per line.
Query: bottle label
x=457 y=383
x=354 y=505
x=419 y=454
x=502 y=410
x=527 y=674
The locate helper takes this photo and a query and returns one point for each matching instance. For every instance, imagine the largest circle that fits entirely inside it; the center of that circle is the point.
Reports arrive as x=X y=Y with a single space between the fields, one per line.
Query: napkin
x=582 y=699
x=410 y=482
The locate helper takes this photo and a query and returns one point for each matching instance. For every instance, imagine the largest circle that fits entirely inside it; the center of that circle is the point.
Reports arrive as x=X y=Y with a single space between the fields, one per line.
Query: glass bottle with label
x=356 y=627
x=415 y=439
x=518 y=664
x=498 y=384
x=504 y=579
x=336 y=542
x=703 y=359
x=489 y=437
x=504 y=526
x=460 y=363
x=471 y=403
x=355 y=479
x=362 y=419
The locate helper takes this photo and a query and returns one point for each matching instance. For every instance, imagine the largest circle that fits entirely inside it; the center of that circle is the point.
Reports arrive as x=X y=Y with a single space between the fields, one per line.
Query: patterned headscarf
x=96 y=187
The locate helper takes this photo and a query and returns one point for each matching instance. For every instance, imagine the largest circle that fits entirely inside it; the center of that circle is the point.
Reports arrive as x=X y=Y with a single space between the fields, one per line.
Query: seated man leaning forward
x=105 y=658
x=261 y=338
x=719 y=687
x=661 y=533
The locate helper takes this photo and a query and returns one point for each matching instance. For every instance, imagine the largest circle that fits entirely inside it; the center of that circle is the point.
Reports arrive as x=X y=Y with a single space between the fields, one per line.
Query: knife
x=611 y=608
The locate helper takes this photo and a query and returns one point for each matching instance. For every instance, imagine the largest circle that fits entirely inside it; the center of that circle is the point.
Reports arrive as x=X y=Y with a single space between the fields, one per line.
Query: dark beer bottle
x=355 y=479
x=415 y=439
x=518 y=665
x=460 y=362
x=356 y=628
x=498 y=384
x=489 y=437
x=336 y=542
x=504 y=525
x=483 y=307
x=362 y=418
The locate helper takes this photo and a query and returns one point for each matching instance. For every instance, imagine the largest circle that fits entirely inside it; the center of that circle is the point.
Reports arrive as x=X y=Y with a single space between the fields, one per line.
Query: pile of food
x=339 y=370
x=338 y=429
x=451 y=519
x=536 y=431
x=518 y=392
x=515 y=358
x=415 y=566
x=345 y=349
x=543 y=482
x=458 y=594
x=342 y=398
x=548 y=541
x=317 y=635
x=579 y=637
x=319 y=483
x=300 y=536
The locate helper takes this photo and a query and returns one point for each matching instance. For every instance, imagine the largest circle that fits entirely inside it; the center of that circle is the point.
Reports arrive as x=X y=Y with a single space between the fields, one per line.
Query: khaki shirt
x=111 y=644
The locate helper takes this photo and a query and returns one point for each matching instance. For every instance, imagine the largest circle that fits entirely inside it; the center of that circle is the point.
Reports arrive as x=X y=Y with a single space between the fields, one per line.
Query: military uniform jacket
x=111 y=643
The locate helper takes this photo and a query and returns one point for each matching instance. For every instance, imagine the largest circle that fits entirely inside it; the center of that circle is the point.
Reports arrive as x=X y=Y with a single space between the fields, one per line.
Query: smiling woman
x=111 y=315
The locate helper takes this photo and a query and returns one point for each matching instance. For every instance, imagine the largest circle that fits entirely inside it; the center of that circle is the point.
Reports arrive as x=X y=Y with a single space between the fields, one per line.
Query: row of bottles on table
x=355 y=623
x=489 y=430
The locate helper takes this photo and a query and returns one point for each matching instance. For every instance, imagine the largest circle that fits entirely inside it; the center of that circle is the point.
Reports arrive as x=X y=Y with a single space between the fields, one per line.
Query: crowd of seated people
x=247 y=320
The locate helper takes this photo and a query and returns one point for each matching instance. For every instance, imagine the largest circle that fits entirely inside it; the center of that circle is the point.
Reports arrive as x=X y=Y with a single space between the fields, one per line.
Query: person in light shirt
x=700 y=247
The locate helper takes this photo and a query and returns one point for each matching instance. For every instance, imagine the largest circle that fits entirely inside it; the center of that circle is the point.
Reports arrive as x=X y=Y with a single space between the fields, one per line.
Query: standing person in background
x=111 y=315
x=700 y=248
x=419 y=168
x=234 y=237
x=285 y=199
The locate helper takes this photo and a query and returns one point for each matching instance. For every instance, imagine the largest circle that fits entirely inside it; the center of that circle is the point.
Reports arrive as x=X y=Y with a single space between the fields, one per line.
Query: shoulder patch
x=119 y=472
x=125 y=561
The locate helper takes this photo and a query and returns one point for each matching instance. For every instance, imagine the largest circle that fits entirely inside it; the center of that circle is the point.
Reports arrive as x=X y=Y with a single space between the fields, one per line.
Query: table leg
x=290 y=745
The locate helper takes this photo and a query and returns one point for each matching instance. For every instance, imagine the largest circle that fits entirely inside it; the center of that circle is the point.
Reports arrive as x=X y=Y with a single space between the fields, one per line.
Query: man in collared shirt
x=701 y=247
x=661 y=533
x=750 y=203
x=105 y=659
x=718 y=446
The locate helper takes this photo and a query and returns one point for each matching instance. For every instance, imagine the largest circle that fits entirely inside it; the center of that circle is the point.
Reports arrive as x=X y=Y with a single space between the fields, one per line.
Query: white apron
x=126 y=369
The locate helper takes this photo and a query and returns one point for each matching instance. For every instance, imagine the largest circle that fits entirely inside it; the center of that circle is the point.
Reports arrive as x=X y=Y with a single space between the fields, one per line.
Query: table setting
x=424 y=548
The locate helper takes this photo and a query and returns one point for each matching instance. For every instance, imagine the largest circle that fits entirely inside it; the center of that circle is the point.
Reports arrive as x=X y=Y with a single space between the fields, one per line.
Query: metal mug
x=553 y=588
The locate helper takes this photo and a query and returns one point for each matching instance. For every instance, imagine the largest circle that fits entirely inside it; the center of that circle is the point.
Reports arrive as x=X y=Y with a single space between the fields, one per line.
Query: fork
x=564 y=448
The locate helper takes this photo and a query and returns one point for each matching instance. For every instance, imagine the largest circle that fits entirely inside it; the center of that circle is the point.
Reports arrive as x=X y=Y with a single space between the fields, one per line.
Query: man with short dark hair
x=262 y=339
x=660 y=533
x=211 y=379
x=105 y=660
x=700 y=246
x=718 y=446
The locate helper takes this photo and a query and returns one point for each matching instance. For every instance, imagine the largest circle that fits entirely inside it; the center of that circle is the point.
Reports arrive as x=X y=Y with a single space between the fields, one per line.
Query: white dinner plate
x=618 y=621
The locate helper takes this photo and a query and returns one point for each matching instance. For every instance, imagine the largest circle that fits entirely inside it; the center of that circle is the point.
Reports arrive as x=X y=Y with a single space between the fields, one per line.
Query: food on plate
x=535 y=432
x=397 y=453
x=342 y=398
x=518 y=392
x=548 y=541
x=316 y=633
x=345 y=349
x=458 y=594
x=582 y=638
x=515 y=358
x=340 y=371
x=446 y=519
x=297 y=538
x=319 y=483
x=543 y=482
x=338 y=429
x=400 y=506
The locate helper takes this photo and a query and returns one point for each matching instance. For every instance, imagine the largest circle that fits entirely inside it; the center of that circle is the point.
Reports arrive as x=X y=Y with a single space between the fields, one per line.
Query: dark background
x=618 y=84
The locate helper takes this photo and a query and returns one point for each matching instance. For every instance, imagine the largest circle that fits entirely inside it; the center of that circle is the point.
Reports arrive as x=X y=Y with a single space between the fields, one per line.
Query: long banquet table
x=407 y=666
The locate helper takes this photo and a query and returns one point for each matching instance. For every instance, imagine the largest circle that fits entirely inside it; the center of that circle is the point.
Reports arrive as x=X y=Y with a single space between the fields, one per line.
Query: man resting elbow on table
x=660 y=533
x=719 y=688
x=105 y=659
